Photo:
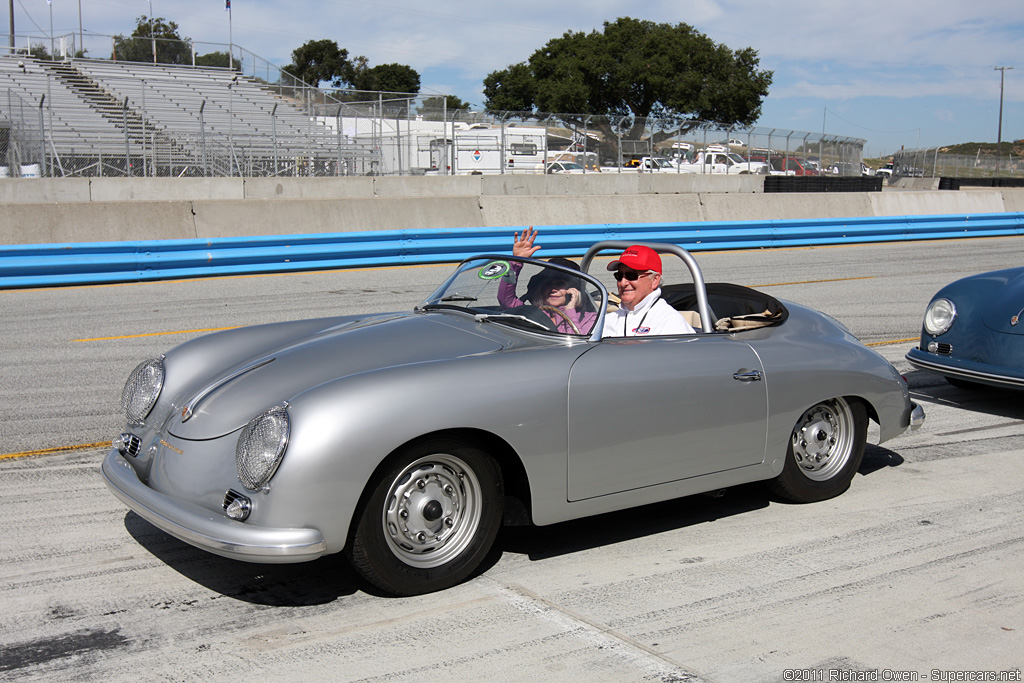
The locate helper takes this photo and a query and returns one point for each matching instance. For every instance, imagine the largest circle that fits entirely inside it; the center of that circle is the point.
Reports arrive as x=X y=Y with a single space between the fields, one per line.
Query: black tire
x=430 y=518
x=825 y=451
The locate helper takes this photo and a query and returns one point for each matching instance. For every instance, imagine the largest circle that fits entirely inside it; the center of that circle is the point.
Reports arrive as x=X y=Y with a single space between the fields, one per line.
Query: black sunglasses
x=631 y=275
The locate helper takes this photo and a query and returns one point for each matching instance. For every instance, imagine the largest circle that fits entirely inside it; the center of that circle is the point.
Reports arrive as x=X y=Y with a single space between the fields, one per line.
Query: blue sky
x=894 y=72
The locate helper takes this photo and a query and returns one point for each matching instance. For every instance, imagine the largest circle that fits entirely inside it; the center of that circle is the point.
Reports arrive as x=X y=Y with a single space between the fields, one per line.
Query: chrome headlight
x=939 y=317
x=261 y=447
x=142 y=390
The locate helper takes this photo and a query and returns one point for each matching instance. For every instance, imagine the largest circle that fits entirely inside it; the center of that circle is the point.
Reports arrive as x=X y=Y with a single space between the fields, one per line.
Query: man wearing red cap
x=642 y=312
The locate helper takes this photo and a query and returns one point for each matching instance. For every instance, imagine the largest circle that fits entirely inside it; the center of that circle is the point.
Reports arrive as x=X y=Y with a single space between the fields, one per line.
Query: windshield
x=661 y=163
x=524 y=293
x=571 y=166
x=736 y=158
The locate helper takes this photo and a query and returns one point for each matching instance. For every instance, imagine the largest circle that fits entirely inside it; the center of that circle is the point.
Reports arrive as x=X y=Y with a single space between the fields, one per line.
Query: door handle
x=749 y=376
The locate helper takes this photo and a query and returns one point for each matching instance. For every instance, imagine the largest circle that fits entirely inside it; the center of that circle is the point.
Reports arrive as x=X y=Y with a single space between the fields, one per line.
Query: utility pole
x=999 y=140
x=152 y=36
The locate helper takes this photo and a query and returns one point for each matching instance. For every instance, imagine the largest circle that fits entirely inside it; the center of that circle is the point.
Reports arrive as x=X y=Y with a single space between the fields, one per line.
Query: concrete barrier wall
x=294 y=216
x=915 y=203
x=161 y=189
x=47 y=190
x=309 y=188
x=43 y=190
x=1013 y=200
x=588 y=210
x=761 y=207
x=47 y=210
x=95 y=222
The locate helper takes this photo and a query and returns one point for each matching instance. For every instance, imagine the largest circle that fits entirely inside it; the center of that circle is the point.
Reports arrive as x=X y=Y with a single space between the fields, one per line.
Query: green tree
x=635 y=69
x=434 y=108
x=170 y=47
x=39 y=51
x=214 y=59
x=319 y=61
x=391 y=78
x=512 y=89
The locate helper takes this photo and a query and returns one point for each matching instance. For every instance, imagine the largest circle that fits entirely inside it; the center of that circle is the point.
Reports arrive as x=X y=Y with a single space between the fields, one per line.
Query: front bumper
x=965 y=370
x=205 y=530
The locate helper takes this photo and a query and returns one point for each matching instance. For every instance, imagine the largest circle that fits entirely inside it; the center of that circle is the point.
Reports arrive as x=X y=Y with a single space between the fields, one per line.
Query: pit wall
x=74 y=210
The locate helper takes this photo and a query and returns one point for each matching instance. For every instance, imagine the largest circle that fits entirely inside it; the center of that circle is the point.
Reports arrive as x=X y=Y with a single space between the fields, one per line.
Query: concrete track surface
x=913 y=574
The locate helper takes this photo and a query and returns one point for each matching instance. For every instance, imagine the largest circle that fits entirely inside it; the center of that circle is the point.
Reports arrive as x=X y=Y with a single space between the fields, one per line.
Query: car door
x=647 y=411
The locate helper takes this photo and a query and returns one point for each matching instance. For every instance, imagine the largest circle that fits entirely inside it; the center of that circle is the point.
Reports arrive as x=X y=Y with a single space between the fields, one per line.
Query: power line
x=871 y=130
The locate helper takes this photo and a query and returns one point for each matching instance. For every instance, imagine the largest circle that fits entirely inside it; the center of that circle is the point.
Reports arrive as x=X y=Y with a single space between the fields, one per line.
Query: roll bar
x=707 y=319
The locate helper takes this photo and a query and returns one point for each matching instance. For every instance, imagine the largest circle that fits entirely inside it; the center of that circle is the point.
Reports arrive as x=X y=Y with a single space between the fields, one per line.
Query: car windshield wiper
x=510 y=318
x=458 y=297
x=443 y=307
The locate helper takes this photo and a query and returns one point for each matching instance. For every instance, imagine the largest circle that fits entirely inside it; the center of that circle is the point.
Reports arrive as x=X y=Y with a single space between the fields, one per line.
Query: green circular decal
x=494 y=270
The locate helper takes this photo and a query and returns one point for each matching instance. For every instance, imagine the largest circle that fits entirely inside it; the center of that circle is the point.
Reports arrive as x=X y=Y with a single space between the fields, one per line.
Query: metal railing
x=102 y=117
x=93 y=263
x=933 y=163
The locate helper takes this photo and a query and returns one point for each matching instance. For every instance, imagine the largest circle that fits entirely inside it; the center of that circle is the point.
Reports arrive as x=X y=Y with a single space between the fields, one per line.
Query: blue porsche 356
x=973 y=331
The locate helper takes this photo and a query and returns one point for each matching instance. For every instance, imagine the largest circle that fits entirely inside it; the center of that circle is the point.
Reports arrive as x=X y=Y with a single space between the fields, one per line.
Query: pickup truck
x=721 y=161
x=646 y=165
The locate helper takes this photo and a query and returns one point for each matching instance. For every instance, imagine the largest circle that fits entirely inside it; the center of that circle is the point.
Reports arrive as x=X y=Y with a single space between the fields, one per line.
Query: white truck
x=719 y=160
x=646 y=165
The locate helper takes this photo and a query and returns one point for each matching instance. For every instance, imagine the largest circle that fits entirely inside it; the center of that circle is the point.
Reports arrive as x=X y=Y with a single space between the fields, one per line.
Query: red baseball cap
x=639 y=258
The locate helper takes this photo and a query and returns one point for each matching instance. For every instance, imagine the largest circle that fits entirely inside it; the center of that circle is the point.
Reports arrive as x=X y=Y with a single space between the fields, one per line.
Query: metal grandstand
x=85 y=117
x=99 y=117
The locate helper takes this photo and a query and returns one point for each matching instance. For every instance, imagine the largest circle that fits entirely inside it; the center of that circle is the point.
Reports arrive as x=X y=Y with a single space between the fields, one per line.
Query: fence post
x=42 y=136
x=202 y=138
x=127 y=151
x=273 y=134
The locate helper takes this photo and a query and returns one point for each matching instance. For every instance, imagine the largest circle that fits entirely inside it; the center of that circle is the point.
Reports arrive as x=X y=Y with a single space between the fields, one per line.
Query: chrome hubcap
x=823 y=439
x=432 y=511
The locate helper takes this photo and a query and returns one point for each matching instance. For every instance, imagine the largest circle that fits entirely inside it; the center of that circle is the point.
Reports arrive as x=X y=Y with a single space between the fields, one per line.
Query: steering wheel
x=552 y=309
x=534 y=315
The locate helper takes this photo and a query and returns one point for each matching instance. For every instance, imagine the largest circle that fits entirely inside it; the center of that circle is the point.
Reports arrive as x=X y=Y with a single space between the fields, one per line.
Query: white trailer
x=417 y=146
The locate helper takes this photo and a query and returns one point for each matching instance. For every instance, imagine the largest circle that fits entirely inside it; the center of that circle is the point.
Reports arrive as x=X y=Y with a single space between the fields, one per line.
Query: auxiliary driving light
x=237 y=506
x=126 y=444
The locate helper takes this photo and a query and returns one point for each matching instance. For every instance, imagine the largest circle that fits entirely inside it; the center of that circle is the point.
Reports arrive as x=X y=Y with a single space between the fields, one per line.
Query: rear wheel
x=825 y=451
x=430 y=519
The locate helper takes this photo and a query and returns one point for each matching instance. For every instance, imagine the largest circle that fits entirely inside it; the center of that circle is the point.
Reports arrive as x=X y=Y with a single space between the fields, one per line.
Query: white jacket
x=652 y=316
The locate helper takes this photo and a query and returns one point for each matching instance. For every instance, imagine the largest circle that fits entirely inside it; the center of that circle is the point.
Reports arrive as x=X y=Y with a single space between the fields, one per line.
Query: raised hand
x=523 y=246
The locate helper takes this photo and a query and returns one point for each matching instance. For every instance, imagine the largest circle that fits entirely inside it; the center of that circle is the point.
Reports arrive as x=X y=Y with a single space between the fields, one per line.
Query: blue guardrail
x=42 y=265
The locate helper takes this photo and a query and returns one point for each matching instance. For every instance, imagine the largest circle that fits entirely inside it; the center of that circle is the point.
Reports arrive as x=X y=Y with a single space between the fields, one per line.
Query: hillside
x=1014 y=148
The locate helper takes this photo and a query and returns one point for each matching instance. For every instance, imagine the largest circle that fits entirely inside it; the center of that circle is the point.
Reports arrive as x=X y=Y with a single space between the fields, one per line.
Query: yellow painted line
x=893 y=341
x=157 y=334
x=50 y=451
x=814 y=282
x=231 y=277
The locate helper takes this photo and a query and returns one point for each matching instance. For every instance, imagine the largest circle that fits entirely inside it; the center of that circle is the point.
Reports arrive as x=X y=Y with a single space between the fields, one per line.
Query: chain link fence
x=933 y=163
x=99 y=117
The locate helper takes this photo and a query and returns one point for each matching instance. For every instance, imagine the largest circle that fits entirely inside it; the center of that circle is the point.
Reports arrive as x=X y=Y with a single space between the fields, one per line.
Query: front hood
x=231 y=396
x=1004 y=311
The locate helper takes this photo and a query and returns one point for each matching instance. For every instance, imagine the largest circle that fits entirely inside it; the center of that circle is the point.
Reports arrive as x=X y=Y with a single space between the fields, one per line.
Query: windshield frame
x=436 y=300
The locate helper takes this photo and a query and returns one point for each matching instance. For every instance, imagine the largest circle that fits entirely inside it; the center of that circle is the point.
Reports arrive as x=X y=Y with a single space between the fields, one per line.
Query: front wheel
x=825 y=451
x=429 y=520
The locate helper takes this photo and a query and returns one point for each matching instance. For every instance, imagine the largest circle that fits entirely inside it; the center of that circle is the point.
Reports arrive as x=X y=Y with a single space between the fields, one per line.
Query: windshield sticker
x=494 y=270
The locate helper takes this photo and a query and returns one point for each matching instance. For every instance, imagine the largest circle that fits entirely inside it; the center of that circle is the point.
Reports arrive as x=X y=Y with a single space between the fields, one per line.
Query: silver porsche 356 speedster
x=403 y=439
